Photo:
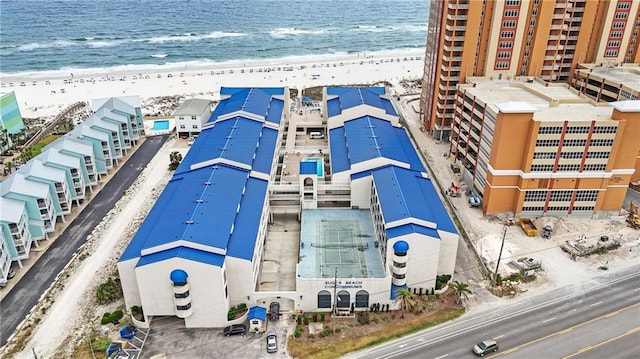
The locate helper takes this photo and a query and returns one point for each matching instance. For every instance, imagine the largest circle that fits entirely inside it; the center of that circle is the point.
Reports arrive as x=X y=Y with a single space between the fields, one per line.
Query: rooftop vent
x=199 y=201
x=189 y=222
x=207 y=183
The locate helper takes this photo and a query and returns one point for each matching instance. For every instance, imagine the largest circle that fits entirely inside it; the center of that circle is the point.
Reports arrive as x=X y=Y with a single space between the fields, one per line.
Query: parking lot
x=169 y=339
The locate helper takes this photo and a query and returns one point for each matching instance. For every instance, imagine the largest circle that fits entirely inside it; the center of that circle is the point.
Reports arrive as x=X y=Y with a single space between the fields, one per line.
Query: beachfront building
x=41 y=212
x=59 y=177
x=191 y=116
x=532 y=148
x=5 y=256
x=11 y=123
x=607 y=83
x=83 y=151
x=16 y=237
x=370 y=220
x=506 y=38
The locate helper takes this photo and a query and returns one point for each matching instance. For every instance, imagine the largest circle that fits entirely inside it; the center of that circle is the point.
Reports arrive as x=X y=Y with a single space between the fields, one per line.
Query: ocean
x=62 y=36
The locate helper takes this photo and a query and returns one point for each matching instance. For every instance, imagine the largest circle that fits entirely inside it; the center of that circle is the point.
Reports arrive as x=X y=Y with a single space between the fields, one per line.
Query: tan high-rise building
x=501 y=39
x=532 y=148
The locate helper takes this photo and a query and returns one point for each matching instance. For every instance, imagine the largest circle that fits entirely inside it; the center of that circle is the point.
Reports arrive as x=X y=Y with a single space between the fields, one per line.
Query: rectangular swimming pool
x=160 y=125
x=319 y=165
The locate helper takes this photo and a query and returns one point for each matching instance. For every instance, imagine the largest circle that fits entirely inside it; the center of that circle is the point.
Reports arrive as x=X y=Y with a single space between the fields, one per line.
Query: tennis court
x=341 y=240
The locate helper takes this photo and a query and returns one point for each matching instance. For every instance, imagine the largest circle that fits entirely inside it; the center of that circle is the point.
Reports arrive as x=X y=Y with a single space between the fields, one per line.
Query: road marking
x=402 y=345
x=564 y=331
x=548 y=320
x=498 y=337
x=594 y=304
x=587 y=348
x=442 y=356
x=637 y=289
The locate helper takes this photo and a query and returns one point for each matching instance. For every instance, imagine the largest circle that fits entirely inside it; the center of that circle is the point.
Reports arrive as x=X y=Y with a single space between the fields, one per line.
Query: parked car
x=192 y=139
x=128 y=331
x=11 y=274
x=234 y=330
x=272 y=342
x=485 y=346
x=274 y=311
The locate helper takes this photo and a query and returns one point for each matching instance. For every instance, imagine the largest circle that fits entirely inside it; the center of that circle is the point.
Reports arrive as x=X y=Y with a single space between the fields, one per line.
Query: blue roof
x=407 y=194
x=238 y=139
x=256 y=312
x=401 y=247
x=257 y=101
x=403 y=230
x=308 y=168
x=217 y=205
x=368 y=137
x=178 y=276
x=180 y=215
x=395 y=289
x=349 y=97
x=184 y=253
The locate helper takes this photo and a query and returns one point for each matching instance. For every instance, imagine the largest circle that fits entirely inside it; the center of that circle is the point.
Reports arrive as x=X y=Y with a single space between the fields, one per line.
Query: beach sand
x=42 y=96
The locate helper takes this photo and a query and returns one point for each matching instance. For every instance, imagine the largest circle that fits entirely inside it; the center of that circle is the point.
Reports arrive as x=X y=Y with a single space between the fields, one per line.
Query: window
x=195 y=127
x=544 y=156
x=528 y=43
x=620 y=15
x=506 y=34
x=343 y=299
x=569 y=167
x=572 y=142
x=530 y=33
x=618 y=25
x=571 y=155
x=589 y=195
x=558 y=208
x=613 y=44
x=532 y=22
x=601 y=142
x=194 y=117
x=398 y=276
x=577 y=129
x=502 y=65
x=182 y=127
x=624 y=5
x=535 y=196
x=505 y=44
x=399 y=265
x=605 y=129
x=184 y=307
x=611 y=53
x=616 y=34
x=526 y=53
x=324 y=299
x=362 y=299
x=511 y=13
x=561 y=196
x=517 y=2
x=583 y=208
x=504 y=55
x=534 y=12
x=509 y=23
x=541 y=168
x=550 y=130
x=181 y=295
x=548 y=143
x=595 y=167
x=532 y=209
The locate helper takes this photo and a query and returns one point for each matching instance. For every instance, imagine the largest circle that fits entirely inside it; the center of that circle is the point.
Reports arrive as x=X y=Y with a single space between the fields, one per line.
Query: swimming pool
x=319 y=165
x=160 y=125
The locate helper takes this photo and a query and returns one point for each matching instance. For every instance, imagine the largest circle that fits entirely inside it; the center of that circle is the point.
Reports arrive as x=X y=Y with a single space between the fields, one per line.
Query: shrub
x=109 y=292
x=442 y=280
x=305 y=319
x=310 y=336
x=326 y=331
x=314 y=317
x=322 y=316
x=363 y=318
x=100 y=344
x=375 y=320
x=241 y=306
x=111 y=317
x=297 y=333
x=299 y=320
x=105 y=318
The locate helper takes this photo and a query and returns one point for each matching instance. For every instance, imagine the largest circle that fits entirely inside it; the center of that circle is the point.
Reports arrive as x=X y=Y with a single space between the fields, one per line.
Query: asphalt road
x=25 y=294
x=598 y=318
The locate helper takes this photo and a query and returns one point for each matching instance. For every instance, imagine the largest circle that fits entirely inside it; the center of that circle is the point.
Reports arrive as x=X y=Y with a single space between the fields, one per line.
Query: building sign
x=347 y=284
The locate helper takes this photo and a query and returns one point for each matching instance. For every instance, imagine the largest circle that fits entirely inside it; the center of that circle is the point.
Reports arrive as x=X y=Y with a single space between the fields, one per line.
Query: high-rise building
x=532 y=148
x=501 y=39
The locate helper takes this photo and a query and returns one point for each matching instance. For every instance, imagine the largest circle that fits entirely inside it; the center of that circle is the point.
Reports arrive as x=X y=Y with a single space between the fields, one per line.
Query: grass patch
x=325 y=349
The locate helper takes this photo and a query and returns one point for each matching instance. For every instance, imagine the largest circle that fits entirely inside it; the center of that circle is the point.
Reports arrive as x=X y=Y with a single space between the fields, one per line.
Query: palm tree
x=175 y=158
x=461 y=290
x=405 y=297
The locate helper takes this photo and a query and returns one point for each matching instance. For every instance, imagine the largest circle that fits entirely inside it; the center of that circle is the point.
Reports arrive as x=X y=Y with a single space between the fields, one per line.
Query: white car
x=272 y=342
x=192 y=139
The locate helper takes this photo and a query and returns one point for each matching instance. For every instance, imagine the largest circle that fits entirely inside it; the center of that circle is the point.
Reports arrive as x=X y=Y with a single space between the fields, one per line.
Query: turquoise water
x=160 y=125
x=319 y=165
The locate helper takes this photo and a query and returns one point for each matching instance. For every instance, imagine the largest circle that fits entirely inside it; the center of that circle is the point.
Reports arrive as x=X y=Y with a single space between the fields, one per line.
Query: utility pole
x=495 y=275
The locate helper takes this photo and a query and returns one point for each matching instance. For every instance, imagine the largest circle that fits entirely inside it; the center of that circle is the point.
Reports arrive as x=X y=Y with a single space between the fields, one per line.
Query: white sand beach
x=44 y=95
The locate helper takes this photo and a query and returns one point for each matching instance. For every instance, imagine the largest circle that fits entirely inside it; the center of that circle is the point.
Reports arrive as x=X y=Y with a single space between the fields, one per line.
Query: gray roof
x=37 y=168
x=54 y=155
x=18 y=183
x=12 y=210
x=193 y=106
x=71 y=144
x=86 y=131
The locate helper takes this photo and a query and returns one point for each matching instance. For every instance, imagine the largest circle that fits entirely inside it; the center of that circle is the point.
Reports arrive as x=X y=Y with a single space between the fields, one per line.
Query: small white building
x=191 y=116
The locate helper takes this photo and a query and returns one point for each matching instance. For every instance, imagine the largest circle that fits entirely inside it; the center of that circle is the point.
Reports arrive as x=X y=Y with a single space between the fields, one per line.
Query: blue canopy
x=307 y=99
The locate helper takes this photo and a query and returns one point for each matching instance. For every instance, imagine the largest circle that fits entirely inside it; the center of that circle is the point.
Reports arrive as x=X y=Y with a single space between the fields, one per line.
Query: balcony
x=59 y=187
x=458 y=6
x=451 y=68
x=453 y=38
x=453 y=48
x=449 y=78
x=451 y=58
x=558 y=16
x=455 y=28
x=456 y=17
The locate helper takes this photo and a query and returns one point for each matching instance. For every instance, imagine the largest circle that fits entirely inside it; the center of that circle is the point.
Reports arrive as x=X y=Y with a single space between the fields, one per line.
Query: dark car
x=234 y=330
x=272 y=342
x=274 y=311
x=485 y=346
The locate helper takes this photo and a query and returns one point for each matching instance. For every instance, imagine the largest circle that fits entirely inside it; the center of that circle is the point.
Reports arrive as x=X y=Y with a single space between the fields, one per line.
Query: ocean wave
x=159 y=55
x=292 y=31
x=37 y=45
x=193 y=37
x=98 y=44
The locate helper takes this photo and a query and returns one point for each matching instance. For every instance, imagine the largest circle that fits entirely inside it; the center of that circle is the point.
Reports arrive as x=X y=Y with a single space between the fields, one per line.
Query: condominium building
x=191 y=116
x=607 y=83
x=501 y=39
x=533 y=148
